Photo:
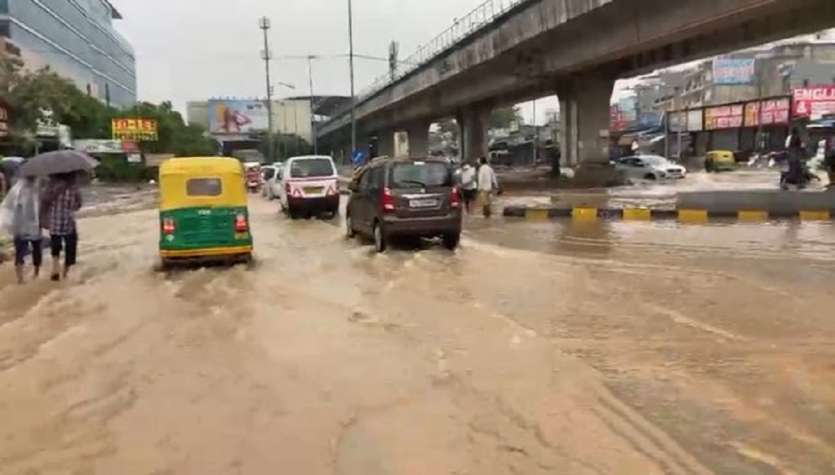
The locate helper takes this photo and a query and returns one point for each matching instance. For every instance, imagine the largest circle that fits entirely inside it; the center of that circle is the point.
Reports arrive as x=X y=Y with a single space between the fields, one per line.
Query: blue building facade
x=77 y=40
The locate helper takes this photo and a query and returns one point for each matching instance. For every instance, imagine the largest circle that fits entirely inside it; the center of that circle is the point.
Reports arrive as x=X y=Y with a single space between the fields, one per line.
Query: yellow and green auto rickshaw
x=203 y=211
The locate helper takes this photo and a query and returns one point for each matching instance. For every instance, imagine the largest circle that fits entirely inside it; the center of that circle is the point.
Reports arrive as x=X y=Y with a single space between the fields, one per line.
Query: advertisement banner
x=695 y=120
x=814 y=102
x=139 y=129
x=237 y=116
x=730 y=72
x=775 y=111
x=724 y=117
x=617 y=122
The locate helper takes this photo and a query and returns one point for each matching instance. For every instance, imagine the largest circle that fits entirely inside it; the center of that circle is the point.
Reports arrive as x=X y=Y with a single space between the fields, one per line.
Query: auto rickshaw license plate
x=312 y=190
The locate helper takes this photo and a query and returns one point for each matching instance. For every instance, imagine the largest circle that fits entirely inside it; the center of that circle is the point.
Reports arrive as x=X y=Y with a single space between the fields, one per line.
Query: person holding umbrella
x=60 y=201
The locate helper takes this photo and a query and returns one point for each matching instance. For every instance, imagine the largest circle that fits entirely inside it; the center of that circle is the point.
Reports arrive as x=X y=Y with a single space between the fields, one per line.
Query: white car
x=649 y=167
x=309 y=186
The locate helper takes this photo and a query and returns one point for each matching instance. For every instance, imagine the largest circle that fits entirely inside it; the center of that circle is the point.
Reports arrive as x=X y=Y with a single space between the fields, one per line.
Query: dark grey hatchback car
x=405 y=197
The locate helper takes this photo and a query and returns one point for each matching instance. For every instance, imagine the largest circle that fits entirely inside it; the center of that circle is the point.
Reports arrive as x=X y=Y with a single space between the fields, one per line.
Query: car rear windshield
x=311 y=168
x=204 y=187
x=420 y=174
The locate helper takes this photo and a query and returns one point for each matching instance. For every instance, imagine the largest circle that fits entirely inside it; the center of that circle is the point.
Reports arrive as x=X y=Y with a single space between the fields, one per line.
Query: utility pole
x=265 y=25
x=312 y=108
x=535 y=133
x=351 y=67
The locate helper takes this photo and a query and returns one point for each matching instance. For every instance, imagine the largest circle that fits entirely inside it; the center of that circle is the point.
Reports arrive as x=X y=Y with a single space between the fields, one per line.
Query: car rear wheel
x=451 y=241
x=650 y=177
x=380 y=241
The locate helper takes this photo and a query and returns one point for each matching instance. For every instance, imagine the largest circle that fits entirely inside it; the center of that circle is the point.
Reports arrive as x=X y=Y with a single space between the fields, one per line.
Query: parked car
x=309 y=186
x=405 y=197
x=720 y=160
x=649 y=167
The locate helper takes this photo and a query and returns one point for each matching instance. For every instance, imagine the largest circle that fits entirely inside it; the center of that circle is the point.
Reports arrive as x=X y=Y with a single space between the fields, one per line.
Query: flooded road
x=628 y=348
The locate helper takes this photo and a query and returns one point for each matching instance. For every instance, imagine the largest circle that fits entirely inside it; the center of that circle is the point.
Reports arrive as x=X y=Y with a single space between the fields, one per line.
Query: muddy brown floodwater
x=535 y=348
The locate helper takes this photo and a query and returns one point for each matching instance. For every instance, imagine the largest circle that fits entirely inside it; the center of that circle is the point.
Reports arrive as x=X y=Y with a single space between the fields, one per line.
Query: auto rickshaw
x=720 y=160
x=203 y=211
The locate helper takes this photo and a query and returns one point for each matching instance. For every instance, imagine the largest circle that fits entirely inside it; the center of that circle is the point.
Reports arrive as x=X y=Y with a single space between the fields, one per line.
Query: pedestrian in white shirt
x=487 y=185
x=469 y=185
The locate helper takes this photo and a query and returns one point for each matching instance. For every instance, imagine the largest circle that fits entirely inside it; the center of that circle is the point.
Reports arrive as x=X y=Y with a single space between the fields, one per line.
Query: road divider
x=692 y=216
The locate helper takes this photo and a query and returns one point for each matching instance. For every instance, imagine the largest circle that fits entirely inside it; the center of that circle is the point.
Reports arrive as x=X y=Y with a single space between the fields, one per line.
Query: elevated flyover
x=515 y=50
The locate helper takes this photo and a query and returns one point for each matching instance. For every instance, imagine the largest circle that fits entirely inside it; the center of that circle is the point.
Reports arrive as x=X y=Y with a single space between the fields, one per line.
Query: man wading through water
x=59 y=204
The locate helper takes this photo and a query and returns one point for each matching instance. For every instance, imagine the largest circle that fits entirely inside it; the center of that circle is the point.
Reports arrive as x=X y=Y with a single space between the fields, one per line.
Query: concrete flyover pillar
x=418 y=133
x=473 y=123
x=385 y=143
x=584 y=132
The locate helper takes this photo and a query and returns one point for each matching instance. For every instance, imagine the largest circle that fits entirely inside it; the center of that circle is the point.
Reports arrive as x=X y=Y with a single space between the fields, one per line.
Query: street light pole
x=535 y=133
x=351 y=67
x=312 y=108
x=265 y=25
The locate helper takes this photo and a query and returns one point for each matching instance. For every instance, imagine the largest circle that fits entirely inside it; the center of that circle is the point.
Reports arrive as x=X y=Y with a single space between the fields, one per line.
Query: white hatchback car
x=309 y=185
x=649 y=167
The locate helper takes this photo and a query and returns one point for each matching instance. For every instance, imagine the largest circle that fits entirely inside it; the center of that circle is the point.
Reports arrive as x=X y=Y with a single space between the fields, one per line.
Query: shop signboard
x=775 y=111
x=678 y=121
x=4 y=120
x=237 y=116
x=752 y=114
x=814 y=102
x=724 y=117
x=140 y=129
x=731 y=72
x=695 y=120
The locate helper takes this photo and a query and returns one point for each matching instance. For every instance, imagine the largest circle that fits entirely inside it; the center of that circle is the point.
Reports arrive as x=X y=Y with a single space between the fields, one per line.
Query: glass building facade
x=76 y=39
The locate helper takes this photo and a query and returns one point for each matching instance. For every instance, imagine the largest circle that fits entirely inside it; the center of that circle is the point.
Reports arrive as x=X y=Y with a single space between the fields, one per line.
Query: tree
x=504 y=117
x=286 y=146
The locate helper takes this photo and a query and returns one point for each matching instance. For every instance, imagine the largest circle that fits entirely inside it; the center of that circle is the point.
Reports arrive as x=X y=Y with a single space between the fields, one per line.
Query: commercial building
x=77 y=40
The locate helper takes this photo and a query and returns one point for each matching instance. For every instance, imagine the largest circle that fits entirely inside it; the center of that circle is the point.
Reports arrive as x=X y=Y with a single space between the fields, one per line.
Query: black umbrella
x=61 y=161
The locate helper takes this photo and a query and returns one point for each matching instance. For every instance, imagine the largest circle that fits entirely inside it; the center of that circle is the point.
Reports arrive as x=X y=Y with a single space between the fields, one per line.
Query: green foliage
x=286 y=146
x=502 y=118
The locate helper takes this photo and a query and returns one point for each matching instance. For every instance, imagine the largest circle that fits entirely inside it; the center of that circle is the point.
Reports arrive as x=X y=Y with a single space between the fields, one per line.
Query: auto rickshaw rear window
x=204 y=187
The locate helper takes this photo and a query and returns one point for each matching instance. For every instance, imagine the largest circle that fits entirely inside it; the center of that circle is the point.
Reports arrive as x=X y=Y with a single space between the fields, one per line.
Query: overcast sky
x=196 y=49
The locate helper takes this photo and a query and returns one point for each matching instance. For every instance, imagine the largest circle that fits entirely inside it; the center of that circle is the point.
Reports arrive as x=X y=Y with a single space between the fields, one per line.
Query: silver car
x=649 y=167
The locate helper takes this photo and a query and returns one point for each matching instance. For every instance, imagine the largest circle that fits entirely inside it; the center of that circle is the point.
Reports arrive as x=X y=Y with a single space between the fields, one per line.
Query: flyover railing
x=477 y=18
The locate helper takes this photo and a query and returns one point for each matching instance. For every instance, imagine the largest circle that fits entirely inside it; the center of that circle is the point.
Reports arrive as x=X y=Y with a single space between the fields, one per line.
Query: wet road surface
x=628 y=348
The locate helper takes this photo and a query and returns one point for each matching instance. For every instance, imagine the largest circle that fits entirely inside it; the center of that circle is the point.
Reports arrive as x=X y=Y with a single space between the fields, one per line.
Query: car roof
x=309 y=157
x=382 y=161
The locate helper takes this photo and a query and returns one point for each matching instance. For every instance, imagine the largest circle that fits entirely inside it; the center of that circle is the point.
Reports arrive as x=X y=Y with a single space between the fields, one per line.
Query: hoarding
x=775 y=111
x=695 y=120
x=814 y=102
x=140 y=129
x=724 y=117
x=729 y=72
x=237 y=116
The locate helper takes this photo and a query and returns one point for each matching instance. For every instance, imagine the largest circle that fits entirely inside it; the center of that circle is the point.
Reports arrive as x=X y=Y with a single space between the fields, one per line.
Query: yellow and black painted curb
x=582 y=213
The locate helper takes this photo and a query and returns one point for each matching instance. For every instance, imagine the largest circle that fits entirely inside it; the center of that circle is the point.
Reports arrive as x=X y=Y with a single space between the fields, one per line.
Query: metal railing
x=461 y=28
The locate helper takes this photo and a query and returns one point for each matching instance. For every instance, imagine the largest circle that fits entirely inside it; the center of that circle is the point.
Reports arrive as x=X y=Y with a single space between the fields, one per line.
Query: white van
x=309 y=186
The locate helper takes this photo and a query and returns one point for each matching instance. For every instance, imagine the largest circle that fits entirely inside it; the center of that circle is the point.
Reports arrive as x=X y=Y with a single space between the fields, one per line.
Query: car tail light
x=241 y=224
x=297 y=193
x=169 y=226
x=387 y=200
x=288 y=188
x=332 y=190
x=455 y=198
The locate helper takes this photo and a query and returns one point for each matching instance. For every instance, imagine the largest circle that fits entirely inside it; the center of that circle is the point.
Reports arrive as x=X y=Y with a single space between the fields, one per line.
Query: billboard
x=135 y=129
x=724 y=117
x=729 y=72
x=237 y=116
x=814 y=102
